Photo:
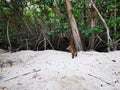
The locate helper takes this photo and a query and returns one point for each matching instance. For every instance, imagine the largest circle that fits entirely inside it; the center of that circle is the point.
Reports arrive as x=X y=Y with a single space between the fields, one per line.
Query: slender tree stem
x=109 y=40
x=8 y=37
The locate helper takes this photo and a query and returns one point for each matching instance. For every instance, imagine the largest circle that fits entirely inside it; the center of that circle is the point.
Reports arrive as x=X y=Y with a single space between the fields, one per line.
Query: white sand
x=56 y=70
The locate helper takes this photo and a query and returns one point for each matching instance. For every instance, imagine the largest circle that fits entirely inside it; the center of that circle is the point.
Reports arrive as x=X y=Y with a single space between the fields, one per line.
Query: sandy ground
x=56 y=70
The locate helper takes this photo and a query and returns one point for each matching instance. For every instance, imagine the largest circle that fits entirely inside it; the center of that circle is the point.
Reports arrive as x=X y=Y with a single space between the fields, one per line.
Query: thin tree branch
x=56 y=10
x=100 y=79
x=8 y=37
x=109 y=40
x=23 y=75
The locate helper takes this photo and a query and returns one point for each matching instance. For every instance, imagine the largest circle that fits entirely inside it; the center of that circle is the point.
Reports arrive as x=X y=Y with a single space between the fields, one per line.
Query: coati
x=72 y=47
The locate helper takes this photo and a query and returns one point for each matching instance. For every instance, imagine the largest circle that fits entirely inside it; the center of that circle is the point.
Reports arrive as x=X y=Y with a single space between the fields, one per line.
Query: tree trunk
x=115 y=28
x=93 y=19
x=74 y=28
x=8 y=38
x=84 y=13
x=109 y=40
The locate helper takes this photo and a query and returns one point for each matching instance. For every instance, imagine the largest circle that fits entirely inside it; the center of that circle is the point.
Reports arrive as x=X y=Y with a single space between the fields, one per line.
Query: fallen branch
x=100 y=79
x=23 y=75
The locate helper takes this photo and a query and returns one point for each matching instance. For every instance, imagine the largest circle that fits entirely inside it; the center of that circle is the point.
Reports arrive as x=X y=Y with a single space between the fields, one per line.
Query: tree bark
x=8 y=38
x=93 y=19
x=115 y=27
x=74 y=28
x=84 y=13
x=109 y=40
x=56 y=10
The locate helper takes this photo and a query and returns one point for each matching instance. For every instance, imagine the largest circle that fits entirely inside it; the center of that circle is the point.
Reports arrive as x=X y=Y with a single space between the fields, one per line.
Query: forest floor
x=56 y=70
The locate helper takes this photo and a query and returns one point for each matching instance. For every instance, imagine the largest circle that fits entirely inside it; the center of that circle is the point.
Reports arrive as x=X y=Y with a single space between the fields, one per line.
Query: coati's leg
x=72 y=55
x=76 y=54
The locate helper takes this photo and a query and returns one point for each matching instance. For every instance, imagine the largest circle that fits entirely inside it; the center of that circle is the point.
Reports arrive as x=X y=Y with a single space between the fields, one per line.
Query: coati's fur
x=72 y=47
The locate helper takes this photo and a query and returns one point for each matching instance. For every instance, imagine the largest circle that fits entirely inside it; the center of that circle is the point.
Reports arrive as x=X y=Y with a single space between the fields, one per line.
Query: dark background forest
x=44 y=24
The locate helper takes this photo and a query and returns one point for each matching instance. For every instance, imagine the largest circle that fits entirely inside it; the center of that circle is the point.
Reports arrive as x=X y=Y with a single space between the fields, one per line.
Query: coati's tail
x=72 y=47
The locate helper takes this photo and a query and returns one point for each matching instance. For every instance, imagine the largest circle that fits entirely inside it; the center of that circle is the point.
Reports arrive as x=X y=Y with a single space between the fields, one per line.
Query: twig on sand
x=22 y=75
x=100 y=79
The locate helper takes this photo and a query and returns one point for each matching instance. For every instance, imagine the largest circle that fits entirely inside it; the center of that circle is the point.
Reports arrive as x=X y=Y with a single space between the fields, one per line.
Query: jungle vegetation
x=48 y=24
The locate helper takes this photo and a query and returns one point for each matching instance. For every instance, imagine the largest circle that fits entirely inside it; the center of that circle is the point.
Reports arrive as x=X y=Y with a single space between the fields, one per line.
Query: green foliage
x=92 y=31
x=48 y=1
x=118 y=21
x=29 y=16
x=113 y=22
x=49 y=33
x=37 y=15
x=117 y=35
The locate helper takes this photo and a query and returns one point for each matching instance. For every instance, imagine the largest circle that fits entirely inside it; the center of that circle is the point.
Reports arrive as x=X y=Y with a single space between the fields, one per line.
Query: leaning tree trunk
x=74 y=28
x=93 y=19
x=109 y=40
